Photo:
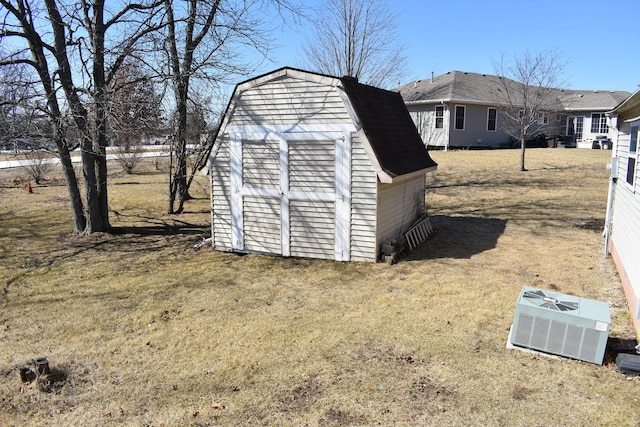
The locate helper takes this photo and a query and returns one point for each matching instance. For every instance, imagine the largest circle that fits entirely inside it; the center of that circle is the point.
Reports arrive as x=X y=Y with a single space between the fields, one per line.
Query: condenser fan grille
x=539 y=298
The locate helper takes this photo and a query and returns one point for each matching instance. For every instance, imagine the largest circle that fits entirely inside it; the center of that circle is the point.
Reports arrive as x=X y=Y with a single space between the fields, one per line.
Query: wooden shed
x=314 y=166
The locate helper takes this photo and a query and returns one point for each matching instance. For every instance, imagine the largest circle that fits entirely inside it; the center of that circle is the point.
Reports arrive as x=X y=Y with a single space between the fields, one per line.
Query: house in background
x=622 y=229
x=315 y=166
x=458 y=110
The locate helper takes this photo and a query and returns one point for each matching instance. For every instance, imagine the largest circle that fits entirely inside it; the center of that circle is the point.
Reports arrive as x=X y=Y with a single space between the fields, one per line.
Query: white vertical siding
x=221 y=198
x=363 y=204
x=398 y=205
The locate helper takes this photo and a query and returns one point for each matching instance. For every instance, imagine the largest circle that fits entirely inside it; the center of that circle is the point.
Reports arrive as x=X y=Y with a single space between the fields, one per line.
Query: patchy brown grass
x=141 y=329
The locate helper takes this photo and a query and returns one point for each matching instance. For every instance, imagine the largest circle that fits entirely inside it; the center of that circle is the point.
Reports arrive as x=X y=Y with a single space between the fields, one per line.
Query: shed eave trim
x=385 y=178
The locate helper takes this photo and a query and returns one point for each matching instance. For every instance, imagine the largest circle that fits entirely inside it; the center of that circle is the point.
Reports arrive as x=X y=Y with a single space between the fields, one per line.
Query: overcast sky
x=600 y=40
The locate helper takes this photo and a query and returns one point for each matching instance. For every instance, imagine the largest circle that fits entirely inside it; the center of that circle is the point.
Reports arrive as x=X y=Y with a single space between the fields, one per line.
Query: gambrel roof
x=379 y=114
x=389 y=128
x=474 y=88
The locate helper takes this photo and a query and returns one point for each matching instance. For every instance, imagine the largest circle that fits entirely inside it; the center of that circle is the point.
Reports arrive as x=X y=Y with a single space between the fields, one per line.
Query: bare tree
x=39 y=165
x=17 y=105
x=526 y=94
x=357 y=38
x=203 y=42
x=135 y=106
x=66 y=45
x=128 y=155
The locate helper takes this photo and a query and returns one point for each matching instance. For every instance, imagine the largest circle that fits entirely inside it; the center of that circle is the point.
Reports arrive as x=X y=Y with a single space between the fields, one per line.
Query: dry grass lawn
x=141 y=329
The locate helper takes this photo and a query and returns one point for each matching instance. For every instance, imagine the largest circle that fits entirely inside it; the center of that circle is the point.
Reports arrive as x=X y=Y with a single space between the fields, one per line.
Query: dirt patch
x=336 y=417
x=593 y=224
x=431 y=388
x=302 y=396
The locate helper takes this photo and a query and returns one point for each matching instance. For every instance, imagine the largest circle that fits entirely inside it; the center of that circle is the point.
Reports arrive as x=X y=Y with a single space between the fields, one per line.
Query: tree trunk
x=178 y=189
x=523 y=147
x=94 y=219
x=100 y=119
x=77 y=210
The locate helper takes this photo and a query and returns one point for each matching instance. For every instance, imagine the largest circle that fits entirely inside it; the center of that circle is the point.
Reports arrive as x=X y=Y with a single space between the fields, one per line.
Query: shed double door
x=291 y=197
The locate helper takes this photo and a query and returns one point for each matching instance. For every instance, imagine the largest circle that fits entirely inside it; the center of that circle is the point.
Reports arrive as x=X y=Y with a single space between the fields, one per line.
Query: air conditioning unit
x=561 y=324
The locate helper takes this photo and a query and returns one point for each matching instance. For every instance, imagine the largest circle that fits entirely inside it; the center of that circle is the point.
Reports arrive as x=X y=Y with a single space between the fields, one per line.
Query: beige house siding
x=312 y=166
x=220 y=172
x=363 y=204
x=312 y=229
x=272 y=103
x=424 y=119
x=261 y=229
x=295 y=173
x=625 y=233
x=398 y=205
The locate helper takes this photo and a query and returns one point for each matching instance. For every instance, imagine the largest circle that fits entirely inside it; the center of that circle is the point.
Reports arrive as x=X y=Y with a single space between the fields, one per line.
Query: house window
x=543 y=119
x=599 y=123
x=439 y=116
x=460 y=111
x=492 y=115
x=633 y=152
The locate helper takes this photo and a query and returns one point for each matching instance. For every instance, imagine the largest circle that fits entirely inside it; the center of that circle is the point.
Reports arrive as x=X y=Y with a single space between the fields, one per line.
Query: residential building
x=459 y=110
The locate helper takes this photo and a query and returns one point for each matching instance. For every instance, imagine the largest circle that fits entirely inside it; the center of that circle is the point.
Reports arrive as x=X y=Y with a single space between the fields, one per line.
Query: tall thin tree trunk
x=179 y=187
x=523 y=147
x=178 y=190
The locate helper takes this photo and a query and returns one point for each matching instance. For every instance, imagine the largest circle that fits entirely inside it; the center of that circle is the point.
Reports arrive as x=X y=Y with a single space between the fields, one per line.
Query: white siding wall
x=312 y=166
x=625 y=232
x=261 y=164
x=312 y=229
x=398 y=206
x=262 y=224
x=363 y=204
x=295 y=108
x=312 y=173
x=221 y=199
x=290 y=101
x=424 y=119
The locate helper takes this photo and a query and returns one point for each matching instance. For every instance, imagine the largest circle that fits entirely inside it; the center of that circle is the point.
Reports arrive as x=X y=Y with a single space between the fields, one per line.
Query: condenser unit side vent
x=561 y=324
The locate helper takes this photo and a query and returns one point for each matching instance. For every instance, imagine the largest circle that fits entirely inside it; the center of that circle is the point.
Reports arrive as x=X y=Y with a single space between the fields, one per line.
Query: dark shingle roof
x=452 y=86
x=389 y=128
x=591 y=99
x=459 y=86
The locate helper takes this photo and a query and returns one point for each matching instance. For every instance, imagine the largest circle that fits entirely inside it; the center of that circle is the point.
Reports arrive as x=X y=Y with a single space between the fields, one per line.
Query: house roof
x=380 y=114
x=591 y=99
x=389 y=128
x=474 y=88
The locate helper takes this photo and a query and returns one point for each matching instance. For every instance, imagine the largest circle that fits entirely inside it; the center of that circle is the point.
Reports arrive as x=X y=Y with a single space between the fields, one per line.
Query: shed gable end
x=289 y=101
